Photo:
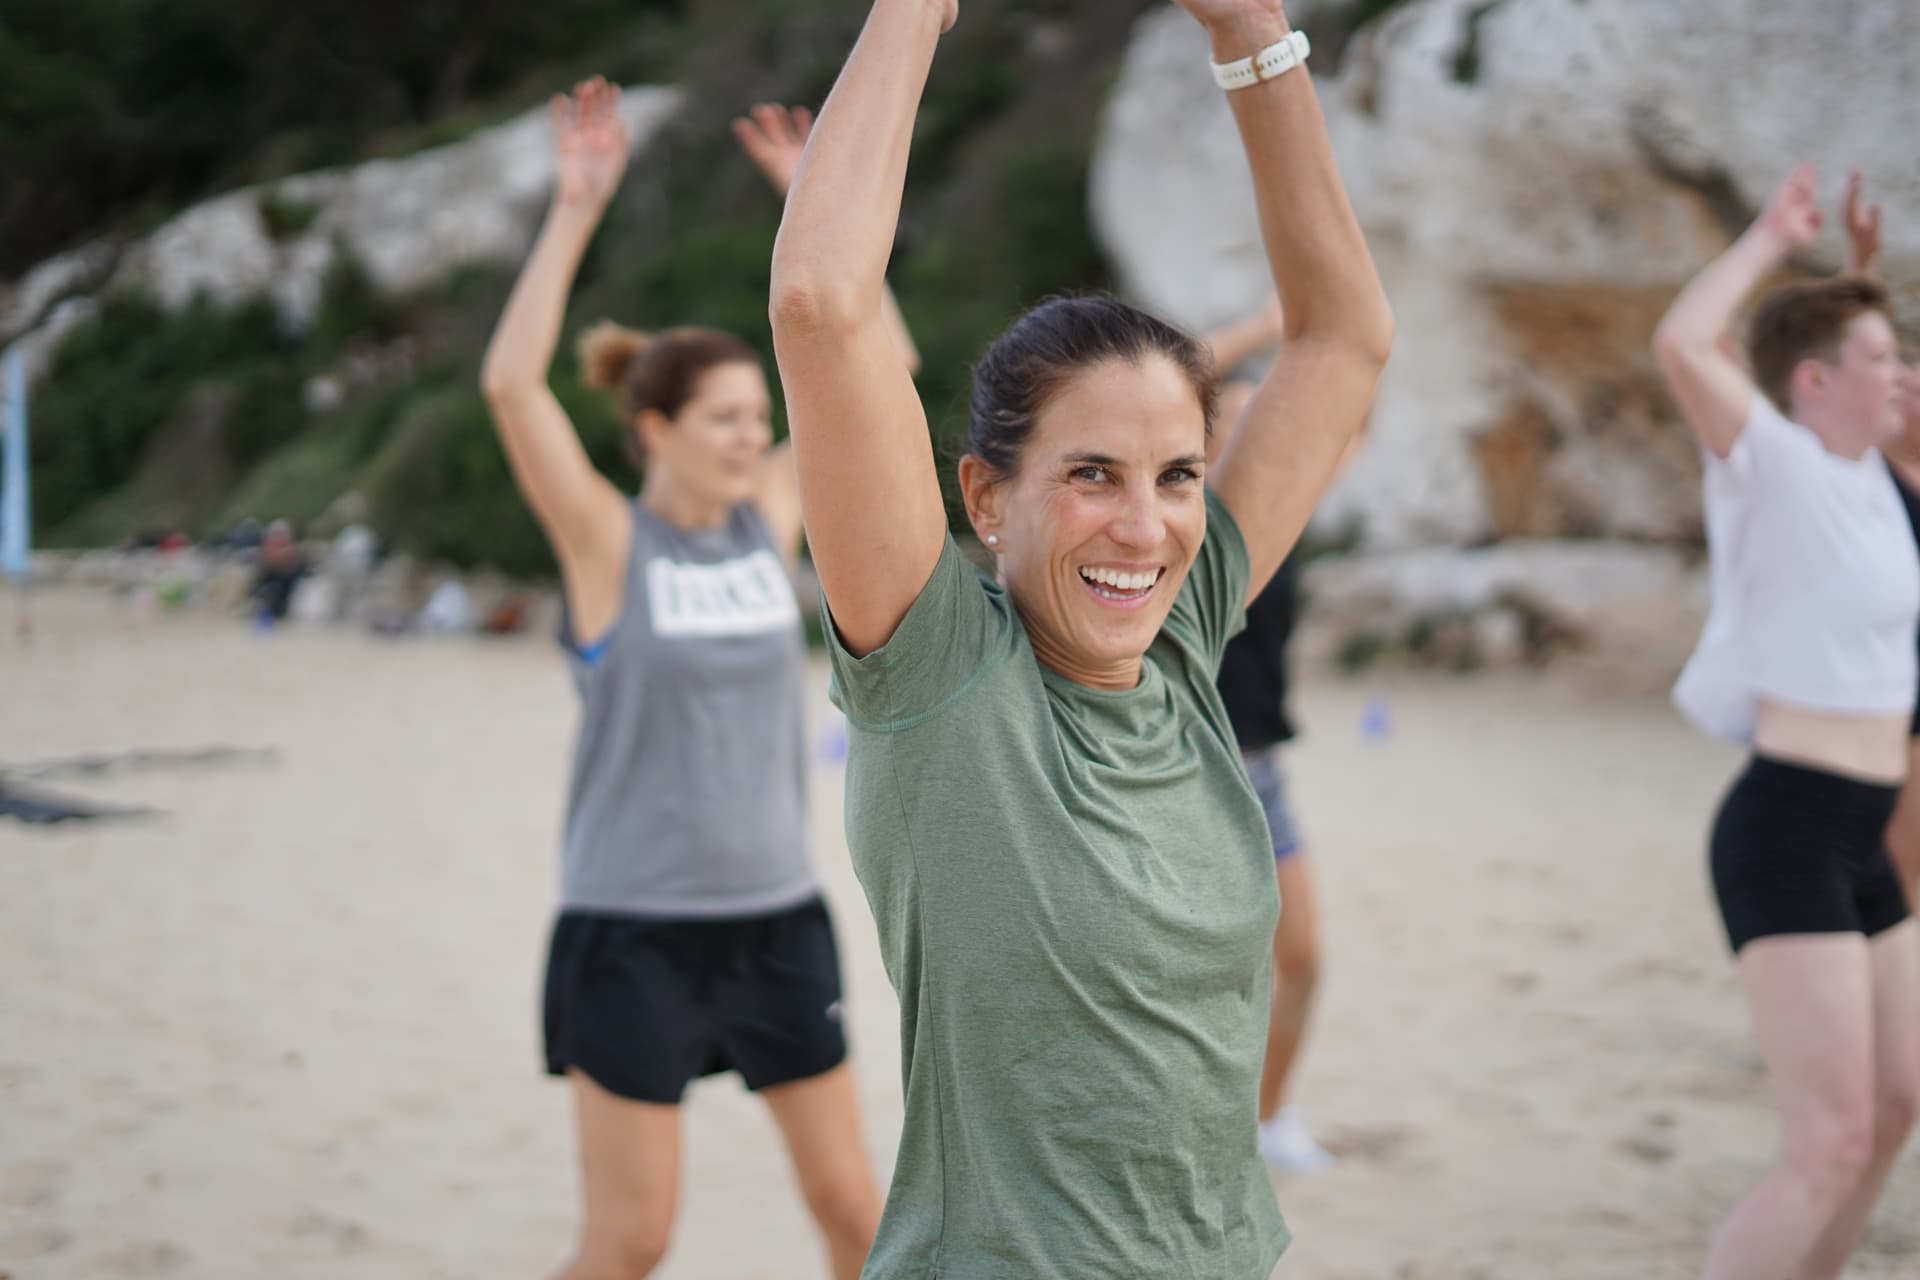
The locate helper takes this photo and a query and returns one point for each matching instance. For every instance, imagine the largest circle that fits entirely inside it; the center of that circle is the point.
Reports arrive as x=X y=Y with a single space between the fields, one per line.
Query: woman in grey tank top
x=691 y=938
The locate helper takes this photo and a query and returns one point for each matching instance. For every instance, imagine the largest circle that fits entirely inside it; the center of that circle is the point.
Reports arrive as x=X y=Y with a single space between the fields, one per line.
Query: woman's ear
x=648 y=427
x=981 y=490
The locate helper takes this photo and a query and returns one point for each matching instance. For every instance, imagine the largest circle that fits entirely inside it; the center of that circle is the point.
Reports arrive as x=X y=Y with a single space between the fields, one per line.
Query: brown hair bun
x=607 y=351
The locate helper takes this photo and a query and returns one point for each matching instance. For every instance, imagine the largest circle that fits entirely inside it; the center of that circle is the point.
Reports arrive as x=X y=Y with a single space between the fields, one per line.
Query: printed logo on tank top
x=741 y=597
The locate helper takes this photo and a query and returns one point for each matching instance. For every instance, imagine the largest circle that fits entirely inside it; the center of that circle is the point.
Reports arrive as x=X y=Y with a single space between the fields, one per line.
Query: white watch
x=1274 y=60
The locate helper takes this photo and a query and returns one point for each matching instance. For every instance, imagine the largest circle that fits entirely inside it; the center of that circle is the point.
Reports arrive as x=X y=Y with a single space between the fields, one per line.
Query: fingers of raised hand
x=753 y=139
x=590 y=113
x=773 y=137
x=1795 y=208
x=1861 y=220
x=783 y=127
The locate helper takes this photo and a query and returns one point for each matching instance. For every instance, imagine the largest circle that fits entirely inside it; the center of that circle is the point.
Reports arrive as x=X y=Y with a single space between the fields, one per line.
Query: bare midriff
x=1866 y=748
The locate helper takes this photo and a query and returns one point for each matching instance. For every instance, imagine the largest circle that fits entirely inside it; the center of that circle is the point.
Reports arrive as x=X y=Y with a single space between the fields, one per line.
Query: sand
x=287 y=1025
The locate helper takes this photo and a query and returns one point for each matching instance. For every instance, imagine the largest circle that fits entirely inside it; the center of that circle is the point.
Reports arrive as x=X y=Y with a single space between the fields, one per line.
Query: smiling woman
x=1071 y=875
x=690 y=939
x=1087 y=447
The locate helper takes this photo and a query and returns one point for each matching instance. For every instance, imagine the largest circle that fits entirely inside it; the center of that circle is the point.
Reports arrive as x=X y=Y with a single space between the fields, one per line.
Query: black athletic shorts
x=644 y=1006
x=1798 y=850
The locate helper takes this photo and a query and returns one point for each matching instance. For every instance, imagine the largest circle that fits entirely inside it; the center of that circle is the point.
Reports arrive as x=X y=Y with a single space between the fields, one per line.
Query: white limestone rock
x=1596 y=156
x=409 y=222
x=36 y=348
x=23 y=303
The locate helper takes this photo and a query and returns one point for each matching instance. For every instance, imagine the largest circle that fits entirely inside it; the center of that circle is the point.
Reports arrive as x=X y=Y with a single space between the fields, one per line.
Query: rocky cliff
x=408 y=223
x=1536 y=177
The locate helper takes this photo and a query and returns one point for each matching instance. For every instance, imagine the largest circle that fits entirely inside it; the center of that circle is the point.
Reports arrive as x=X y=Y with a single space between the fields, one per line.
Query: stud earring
x=993 y=539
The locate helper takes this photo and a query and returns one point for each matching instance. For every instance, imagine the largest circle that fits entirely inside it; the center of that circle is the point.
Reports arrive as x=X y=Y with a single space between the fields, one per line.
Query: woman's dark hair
x=655 y=371
x=1045 y=349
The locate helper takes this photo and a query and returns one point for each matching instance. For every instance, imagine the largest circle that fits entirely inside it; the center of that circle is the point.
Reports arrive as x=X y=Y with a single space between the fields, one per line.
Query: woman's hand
x=774 y=138
x=590 y=144
x=1862 y=226
x=1792 y=217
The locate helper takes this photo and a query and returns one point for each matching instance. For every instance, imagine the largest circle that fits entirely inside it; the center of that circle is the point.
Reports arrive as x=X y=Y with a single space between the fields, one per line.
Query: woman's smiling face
x=1097 y=529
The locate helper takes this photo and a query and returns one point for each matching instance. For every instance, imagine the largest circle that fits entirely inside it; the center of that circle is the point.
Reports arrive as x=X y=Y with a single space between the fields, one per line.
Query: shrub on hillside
x=115 y=383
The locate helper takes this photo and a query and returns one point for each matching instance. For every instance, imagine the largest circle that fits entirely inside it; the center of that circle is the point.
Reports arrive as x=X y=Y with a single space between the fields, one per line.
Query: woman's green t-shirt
x=1075 y=898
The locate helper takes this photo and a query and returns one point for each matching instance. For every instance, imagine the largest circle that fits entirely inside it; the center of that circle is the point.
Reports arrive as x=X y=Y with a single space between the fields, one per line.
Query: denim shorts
x=1269 y=779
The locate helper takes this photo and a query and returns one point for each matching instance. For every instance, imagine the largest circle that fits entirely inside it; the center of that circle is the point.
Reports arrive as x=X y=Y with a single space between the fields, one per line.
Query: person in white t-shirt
x=1808 y=657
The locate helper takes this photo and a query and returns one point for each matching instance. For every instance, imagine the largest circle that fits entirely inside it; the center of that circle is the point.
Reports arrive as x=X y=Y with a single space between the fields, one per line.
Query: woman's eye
x=1094 y=475
x=1179 y=475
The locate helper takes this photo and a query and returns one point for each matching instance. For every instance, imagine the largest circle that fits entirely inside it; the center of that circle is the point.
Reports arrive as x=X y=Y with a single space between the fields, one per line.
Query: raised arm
x=774 y=138
x=1714 y=391
x=1230 y=346
x=1338 y=327
x=584 y=516
x=1238 y=341
x=1862 y=223
x=868 y=488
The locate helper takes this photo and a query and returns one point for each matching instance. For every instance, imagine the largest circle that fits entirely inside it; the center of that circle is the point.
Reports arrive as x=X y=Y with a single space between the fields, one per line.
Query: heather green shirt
x=1075 y=898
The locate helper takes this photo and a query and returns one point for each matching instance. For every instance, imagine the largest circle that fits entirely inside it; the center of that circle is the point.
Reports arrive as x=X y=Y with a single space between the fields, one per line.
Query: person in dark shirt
x=1862 y=225
x=1253 y=683
x=281 y=566
x=1903 y=458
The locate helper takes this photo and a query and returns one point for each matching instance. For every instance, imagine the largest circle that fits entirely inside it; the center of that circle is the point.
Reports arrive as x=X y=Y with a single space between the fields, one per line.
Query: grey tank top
x=687 y=795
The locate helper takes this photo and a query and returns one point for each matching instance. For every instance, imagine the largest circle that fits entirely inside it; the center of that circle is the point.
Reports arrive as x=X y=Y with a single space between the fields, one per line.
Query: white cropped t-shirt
x=1815 y=583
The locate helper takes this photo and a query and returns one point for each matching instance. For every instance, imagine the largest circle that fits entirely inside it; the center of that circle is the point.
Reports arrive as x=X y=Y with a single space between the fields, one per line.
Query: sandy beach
x=286 y=1024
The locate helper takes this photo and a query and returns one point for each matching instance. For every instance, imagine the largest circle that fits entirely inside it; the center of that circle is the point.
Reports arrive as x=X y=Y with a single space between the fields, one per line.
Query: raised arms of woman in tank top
x=1714 y=390
x=1238 y=341
x=582 y=513
x=1338 y=327
x=874 y=517
x=774 y=138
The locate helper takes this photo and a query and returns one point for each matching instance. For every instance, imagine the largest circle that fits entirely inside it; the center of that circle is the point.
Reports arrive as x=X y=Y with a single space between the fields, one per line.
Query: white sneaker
x=1287 y=1147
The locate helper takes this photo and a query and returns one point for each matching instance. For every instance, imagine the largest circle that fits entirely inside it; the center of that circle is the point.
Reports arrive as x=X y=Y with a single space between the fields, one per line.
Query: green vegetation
x=148 y=418
x=113 y=107
x=196 y=419
x=116 y=383
x=1466 y=59
x=1360 y=651
x=286 y=217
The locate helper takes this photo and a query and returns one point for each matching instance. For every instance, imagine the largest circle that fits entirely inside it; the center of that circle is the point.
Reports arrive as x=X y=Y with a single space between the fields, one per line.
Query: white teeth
x=1120 y=581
